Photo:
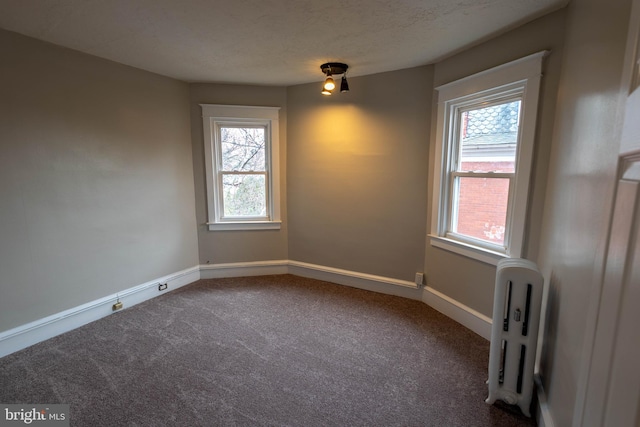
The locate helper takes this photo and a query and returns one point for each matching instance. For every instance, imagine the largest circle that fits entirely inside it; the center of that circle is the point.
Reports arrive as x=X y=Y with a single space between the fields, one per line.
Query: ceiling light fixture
x=330 y=69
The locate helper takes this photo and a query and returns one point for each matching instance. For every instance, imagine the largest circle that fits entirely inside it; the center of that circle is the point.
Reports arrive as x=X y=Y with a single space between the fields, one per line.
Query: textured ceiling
x=272 y=42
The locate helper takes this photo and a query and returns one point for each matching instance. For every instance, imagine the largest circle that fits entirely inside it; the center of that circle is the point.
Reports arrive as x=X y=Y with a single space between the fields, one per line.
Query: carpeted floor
x=263 y=351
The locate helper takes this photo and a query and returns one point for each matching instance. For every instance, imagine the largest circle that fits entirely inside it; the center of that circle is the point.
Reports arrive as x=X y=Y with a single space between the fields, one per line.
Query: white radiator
x=514 y=332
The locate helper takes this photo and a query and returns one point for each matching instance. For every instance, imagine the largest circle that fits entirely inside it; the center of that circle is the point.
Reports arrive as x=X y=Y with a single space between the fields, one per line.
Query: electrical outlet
x=116 y=306
x=420 y=279
x=163 y=286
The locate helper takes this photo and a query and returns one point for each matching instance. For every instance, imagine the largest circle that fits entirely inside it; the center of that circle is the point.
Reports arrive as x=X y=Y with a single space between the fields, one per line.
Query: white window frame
x=519 y=79
x=213 y=117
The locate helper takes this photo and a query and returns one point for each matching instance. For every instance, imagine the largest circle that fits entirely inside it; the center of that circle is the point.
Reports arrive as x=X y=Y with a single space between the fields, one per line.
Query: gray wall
x=97 y=170
x=466 y=280
x=580 y=188
x=237 y=246
x=357 y=173
x=96 y=180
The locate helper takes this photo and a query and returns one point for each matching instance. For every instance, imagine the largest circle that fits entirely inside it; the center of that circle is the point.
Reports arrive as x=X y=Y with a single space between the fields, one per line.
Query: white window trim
x=212 y=114
x=520 y=75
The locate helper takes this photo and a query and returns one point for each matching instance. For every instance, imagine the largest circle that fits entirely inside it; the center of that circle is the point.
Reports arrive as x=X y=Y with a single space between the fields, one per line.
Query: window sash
x=452 y=211
x=220 y=142
x=252 y=124
x=220 y=182
x=479 y=174
x=454 y=172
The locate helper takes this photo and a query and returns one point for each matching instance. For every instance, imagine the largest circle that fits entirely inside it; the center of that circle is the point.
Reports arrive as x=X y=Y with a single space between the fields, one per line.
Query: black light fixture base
x=333 y=68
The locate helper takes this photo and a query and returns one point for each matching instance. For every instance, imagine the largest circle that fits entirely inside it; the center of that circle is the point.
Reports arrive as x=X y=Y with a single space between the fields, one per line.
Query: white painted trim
x=48 y=327
x=39 y=330
x=370 y=282
x=466 y=316
x=493 y=77
x=51 y=326
x=543 y=414
x=240 y=269
x=255 y=225
x=240 y=112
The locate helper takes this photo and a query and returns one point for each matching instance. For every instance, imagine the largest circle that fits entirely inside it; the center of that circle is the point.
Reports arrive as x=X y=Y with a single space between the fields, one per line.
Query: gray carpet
x=263 y=351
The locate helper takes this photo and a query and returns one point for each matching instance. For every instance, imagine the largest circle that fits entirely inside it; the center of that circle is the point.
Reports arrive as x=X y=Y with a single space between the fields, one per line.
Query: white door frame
x=593 y=389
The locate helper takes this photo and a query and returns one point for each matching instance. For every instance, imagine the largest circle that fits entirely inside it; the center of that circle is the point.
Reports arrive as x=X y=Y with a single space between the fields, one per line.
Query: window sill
x=242 y=225
x=470 y=251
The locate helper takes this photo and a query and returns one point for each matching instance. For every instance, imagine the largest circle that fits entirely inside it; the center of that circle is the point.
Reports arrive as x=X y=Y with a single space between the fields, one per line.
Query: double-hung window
x=484 y=150
x=241 y=159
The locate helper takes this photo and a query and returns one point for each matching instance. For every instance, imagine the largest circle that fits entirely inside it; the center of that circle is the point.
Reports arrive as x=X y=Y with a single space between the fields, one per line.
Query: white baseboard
x=26 y=335
x=48 y=327
x=543 y=414
x=240 y=269
x=457 y=311
x=370 y=282
x=466 y=316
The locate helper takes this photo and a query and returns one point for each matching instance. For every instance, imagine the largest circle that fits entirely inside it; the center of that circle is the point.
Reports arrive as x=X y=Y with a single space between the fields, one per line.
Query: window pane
x=243 y=148
x=244 y=195
x=481 y=208
x=488 y=138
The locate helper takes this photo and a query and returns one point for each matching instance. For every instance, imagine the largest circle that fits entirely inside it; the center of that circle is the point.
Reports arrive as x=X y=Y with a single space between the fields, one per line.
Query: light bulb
x=329 y=84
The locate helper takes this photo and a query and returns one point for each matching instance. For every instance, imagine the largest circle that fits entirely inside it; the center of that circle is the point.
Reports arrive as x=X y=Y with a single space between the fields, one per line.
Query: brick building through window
x=489 y=139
